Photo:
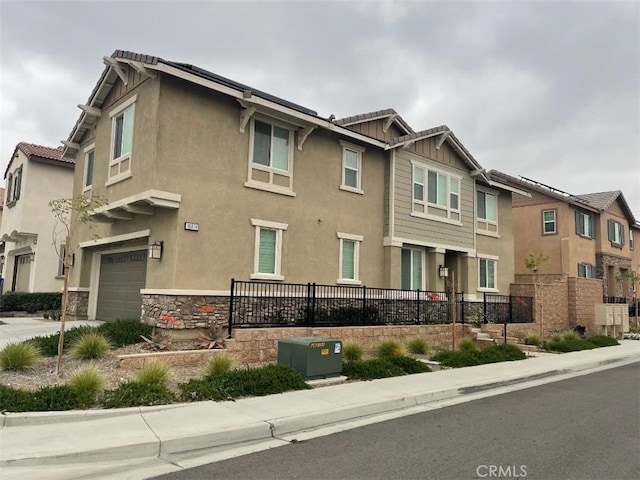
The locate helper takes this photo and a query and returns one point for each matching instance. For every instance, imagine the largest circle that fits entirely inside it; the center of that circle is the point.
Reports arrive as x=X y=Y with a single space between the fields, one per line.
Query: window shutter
x=267 y=251
x=621 y=233
x=611 y=229
x=582 y=270
x=348 y=259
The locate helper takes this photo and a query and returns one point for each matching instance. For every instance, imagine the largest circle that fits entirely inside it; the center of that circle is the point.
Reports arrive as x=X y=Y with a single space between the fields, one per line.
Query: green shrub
x=30 y=302
x=153 y=373
x=371 y=369
x=219 y=364
x=570 y=335
x=352 y=351
x=125 y=331
x=255 y=382
x=503 y=352
x=87 y=379
x=570 y=345
x=603 y=341
x=89 y=346
x=60 y=397
x=409 y=365
x=389 y=348
x=19 y=356
x=136 y=394
x=48 y=345
x=15 y=400
x=417 y=346
x=532 y=340
x=467 y=344
x=457 y=358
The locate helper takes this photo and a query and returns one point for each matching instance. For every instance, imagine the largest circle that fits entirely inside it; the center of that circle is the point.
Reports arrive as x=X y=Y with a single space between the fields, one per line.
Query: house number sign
x=194 y=227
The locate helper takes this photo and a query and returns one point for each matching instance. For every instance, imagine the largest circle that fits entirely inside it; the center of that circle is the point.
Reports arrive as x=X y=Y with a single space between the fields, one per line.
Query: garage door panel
x=122 y=276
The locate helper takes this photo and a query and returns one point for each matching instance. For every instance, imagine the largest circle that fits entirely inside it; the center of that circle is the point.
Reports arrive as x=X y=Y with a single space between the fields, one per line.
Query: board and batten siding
x=424 y=229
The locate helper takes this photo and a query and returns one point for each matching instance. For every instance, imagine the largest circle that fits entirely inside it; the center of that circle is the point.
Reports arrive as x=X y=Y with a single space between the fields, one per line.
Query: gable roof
x=246 y=95
x=377 y=115
x=31 y=150
x=595 y=202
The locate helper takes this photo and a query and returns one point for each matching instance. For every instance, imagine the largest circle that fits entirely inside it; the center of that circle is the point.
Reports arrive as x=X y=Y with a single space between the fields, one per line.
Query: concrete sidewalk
x=17 y=329
x=168 y=438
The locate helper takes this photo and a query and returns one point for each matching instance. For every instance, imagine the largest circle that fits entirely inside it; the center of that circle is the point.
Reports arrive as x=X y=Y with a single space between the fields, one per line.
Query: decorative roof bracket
x=140 y=68
x=303 y=134
x=113 y=63
x=90 y=111
x=442 y=138
x=389 y=121
x=245 y=116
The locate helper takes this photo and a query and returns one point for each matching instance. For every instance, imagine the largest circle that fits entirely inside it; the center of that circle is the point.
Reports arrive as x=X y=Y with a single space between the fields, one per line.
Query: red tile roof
x=30 y=149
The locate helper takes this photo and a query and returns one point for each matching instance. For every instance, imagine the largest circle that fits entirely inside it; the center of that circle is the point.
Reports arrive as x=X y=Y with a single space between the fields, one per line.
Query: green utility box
x=312 y=357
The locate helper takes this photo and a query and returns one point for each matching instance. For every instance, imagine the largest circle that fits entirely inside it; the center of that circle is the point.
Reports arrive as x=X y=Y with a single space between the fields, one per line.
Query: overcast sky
x=547 y=90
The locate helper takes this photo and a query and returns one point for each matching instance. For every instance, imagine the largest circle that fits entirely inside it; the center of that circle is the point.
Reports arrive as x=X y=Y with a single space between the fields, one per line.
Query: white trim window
x=487 y=211
x=351 y=167
x=271 y=157
x=548 y=222
x=631 y=244
x=586 y=270
x=412 y=269
x=349 y=258
x=121 y=141
x=616 y=232
x=488 y=274
x=435 y=194
x=89 y=161
x=61 y=255
x=268 y=250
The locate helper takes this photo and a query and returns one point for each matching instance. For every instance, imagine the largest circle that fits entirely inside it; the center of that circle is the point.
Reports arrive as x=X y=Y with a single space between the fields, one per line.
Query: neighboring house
x=590 y=236
x=207 y=179
x=35 y=175
x=2 y=245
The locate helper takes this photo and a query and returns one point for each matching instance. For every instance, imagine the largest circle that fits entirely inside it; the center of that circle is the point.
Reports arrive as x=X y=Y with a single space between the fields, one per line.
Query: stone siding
x=603 y=261
x=78 y=304
x=184 y=311
x=584 y=294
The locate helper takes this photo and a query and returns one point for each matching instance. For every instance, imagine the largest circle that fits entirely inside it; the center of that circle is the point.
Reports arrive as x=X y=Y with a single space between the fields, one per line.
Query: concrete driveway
x=17 y=329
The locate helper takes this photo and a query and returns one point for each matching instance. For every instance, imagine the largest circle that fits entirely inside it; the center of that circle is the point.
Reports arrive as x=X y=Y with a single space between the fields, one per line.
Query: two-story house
x=207 y=179
x=587 y=236
x=35 y=175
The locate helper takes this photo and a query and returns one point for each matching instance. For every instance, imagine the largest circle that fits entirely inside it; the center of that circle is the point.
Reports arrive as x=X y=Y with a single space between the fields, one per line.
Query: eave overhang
x=16 y=236
x=143 y=203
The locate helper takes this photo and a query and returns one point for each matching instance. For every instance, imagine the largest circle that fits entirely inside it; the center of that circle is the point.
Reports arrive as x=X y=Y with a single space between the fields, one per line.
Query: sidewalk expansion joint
x=154 y=434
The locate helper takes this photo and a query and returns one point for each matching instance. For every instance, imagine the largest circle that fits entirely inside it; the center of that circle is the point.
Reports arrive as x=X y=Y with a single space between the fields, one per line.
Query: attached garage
x=122 y=276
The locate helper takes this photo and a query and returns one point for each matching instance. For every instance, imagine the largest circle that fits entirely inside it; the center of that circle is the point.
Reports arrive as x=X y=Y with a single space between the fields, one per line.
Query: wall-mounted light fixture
x=32 y=257
x=155 y=250
x=444 y=271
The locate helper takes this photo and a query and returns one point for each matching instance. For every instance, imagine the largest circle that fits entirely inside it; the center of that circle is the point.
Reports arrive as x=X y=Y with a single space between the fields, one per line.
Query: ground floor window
x=411 y=269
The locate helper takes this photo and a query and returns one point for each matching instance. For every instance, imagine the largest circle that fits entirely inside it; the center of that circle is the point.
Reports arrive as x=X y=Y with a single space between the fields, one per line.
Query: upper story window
x=89 y=155
x=616 y=232
x=436 y=195
x=548 y=222
x=585 y=224
x=14 y=186
x=487 y=212
x=271 y=157
x=121 y=141
x=631 y=245
x=411 y=277
x=349 y=258
x=351 y=168
x=268 y=250
x=586 y=270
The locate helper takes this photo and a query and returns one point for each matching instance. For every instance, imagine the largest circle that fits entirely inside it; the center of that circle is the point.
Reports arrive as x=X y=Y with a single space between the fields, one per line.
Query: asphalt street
x=587 y=427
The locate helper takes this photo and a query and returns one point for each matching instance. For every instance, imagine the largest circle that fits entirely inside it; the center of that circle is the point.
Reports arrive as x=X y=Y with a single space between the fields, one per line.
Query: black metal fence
x=266 y=304
x=507 y=308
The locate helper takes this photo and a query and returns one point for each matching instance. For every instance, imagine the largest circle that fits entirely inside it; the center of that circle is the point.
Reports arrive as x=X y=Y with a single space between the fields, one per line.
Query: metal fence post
x=462 y=319
x=484 y=308
x=364 y=304
x=313 y=304
x=419 y=319
x=231 y=307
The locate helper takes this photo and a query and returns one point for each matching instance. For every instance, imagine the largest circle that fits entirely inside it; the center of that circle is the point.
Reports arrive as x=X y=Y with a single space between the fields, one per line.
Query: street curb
x=196 y=435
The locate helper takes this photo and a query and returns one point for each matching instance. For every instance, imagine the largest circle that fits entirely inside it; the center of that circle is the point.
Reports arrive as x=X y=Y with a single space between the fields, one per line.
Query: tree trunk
x=65 y=291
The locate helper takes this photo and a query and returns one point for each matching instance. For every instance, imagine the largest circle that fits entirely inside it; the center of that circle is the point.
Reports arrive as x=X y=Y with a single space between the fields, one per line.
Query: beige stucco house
x=591 y=236
x=206 y=179
x=35 y=175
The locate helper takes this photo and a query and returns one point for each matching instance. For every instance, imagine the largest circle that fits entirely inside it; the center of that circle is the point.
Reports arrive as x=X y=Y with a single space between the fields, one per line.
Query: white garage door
x=122 y=276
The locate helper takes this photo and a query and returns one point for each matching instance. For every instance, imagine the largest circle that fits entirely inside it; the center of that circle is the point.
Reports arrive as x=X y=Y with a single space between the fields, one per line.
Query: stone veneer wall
x=603 y=261
x=552 y=304
x=78 y=304
x=253 y=346
x=584 y=294
x=184 y=311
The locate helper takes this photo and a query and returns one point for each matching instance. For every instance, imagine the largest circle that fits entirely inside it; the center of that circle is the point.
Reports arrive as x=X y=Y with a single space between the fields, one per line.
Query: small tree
x=633 y=279
x=69 y=213
x=533 y=263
